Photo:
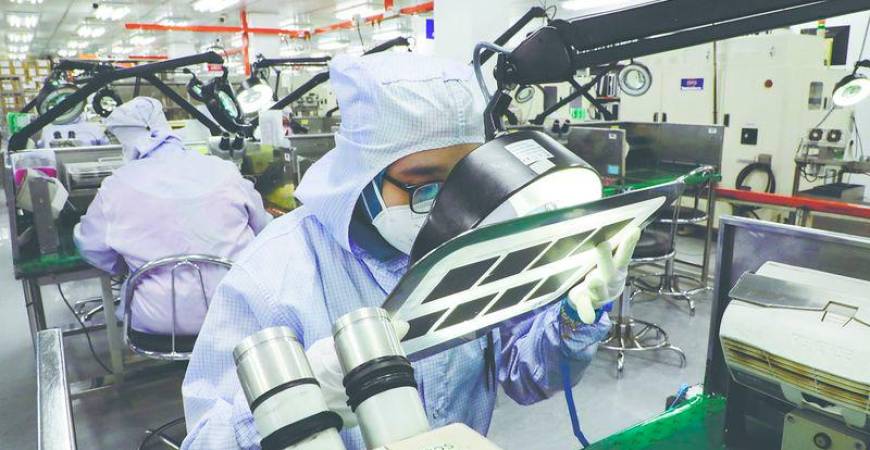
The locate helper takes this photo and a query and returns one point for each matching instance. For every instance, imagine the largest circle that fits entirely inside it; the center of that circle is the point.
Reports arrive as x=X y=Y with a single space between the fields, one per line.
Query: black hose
x=743 y=210
x=85 y=329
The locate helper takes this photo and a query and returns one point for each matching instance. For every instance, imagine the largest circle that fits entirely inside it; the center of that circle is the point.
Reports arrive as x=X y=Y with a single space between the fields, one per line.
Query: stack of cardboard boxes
x=20 y=81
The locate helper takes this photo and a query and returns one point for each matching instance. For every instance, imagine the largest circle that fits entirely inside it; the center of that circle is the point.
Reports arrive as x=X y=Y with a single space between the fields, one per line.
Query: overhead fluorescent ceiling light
x=77 y=44
x=22 y=20
x=140 y=40
x=351 y=9
x=19 y=37
x=213 y=5
x=91 y=31
x=29 y=2
x=110 y=12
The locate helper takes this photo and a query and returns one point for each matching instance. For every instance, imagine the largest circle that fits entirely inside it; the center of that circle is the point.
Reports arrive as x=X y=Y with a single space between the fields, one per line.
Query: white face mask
x=399 y=226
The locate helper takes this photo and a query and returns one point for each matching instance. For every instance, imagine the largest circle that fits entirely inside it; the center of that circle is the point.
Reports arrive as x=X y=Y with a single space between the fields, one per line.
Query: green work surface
x=648 y=177
x=49 y=264
x=31 y=263
x=697 y=424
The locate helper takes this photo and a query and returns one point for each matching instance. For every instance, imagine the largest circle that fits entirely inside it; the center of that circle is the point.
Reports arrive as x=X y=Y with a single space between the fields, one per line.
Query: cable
x=680 y=395
x=85 y=329
x=478 y=73
x=569 y=399
x=828 y=114
x=158 y=431
x=359 y=33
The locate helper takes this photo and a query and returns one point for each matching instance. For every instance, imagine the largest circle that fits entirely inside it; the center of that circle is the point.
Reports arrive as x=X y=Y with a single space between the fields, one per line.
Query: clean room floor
x=116 y=419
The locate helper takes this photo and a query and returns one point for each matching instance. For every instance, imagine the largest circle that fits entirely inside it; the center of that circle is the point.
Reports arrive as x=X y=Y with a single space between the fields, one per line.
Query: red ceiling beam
x=212 y=29
x=243 y=18
x=418 y=9
x=299 y=34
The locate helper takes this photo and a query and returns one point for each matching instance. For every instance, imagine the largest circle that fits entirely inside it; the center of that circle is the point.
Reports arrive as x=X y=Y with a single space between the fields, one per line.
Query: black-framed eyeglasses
x=422 y=196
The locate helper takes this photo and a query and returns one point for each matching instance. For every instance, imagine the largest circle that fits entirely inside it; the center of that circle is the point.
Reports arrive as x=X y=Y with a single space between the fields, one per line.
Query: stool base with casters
x=662 y=251
x=632 y=335
x=668 y=285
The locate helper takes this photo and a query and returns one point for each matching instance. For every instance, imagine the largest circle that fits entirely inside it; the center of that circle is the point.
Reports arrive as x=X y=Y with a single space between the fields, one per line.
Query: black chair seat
x=654 y=242
x=161 y=343
x=686 y=215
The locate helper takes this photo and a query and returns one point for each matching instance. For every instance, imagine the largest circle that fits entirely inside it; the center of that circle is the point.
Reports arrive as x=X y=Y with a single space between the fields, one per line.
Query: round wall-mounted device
x=635 y=79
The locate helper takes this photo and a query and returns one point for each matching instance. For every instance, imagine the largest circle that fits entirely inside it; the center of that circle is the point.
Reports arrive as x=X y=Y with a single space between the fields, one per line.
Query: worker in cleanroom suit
x=166 y=201
x=406 y=120
x=79 y=130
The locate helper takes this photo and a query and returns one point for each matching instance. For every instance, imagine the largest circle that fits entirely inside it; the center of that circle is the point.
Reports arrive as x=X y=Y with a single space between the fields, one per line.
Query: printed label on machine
x=692 y=84
x=528 y=151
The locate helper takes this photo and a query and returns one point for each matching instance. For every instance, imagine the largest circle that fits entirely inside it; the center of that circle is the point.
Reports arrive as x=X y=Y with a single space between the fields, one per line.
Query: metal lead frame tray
x=490 y=275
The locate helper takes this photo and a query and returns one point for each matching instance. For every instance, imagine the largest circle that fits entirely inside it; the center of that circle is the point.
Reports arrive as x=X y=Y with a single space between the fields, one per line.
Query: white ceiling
x=59 y=20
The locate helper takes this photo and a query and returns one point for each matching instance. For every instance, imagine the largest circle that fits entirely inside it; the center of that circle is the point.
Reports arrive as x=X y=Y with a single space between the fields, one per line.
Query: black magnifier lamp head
x=514 y=175
x=221 y=101
x=105 y=101
x=255 y=93
x=56 y=95
x=194 y=86
x=851 y=90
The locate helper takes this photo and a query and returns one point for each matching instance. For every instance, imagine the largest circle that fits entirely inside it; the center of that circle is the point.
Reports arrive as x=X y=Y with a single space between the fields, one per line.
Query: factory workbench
x=697 y=424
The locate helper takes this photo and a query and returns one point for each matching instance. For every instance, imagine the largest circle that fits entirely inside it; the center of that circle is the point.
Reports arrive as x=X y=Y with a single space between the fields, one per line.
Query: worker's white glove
x=327 y=370
x=607 y=280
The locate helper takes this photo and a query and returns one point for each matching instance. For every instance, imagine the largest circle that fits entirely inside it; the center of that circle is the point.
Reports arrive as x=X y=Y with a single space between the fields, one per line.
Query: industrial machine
x=823 y=157
x=766 y=89
x=652 y=147
x=797 y=335
x=306 y=149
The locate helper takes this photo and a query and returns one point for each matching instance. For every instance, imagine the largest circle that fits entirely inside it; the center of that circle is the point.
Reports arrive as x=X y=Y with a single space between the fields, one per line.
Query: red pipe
x=788 y=201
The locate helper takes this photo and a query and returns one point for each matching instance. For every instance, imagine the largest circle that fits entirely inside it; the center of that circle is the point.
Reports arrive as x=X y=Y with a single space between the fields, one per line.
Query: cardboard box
x=8 y=85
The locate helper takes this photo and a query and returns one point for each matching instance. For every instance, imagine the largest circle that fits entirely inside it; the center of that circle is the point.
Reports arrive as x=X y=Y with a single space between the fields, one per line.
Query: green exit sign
x=578 y=113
